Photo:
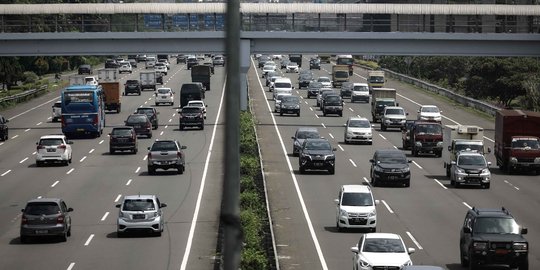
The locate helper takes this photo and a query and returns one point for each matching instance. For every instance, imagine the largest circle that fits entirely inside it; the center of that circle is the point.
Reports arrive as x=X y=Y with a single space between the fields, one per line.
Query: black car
x=315 y=64
x=317 y=154
x=211 y=65
x=141 y=124
x=332 y=104
x=141 y=58
x=284 y=63
x=3 y=128
x=45 y=217
x=132 y=87
x=192 y=61
x=390 y=166
x=263 y=59
x=289 y=105
x=190 y=117
x=85 y=69
x=313 y=89
x=152 y=114
x=492 y=237
x=123 y=138
x=301 y=134
x=181 y=59
x=133 y=63
x=111 y=63
x=346 y=89
x=304 y=80
x=269 y=75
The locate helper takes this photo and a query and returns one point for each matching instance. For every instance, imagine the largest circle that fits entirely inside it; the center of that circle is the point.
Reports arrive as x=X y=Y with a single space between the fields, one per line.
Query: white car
x=360 y=91
x=277 y=104
x=325 y=81
x=355 y=208
x=125 y=67
x=277 y=56
x=164 y=95
x=91 y=80
x=271 y=82
x=393 y=117
x=292 y=67
x=140 y=212
x=53 y=148
x=358 y=129
x=166 y=62
x=381 y=251
x=198 y=103
x=429 y=113
x=268 y=68
x=161 y=68
x=56 y=111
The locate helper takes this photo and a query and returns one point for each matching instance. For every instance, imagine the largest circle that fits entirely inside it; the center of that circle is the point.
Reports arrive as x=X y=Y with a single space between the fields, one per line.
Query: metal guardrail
x=24 y=94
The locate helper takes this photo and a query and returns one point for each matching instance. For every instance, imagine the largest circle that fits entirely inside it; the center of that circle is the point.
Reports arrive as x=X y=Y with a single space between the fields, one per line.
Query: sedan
x=429 y=113
x=326 y=82
x=381 y=251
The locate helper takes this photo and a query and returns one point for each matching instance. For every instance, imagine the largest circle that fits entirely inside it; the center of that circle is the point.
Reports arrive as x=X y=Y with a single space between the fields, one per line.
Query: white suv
x=56 y=111
x=53 y=148
x=393 y=117
x=355 y=208
x=381 y=251
x=360 y=91
x=140 y=213
x=358 y=129
x=164 y=95
x=125 y=67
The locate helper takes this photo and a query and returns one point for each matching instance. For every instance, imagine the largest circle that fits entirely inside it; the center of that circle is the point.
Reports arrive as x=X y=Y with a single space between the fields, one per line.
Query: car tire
x=383 y=127
x=24 y=239
x=414 y=152
x=302 y=170
x=39 y=163
x=63 y=237
x=135 y=150
x=111 y=151
x=158 y=234
x=524 y=265
x=139 y=93
x=373 y=229
x=332 y=170
x=407 y=183
x=340 y=114
x=280 y=113
x=181 y=127
x=339 y=228
x=487 y=186
x=151 y=170
x=472 y=264
x=119 y=234
x=202 y=127
x=69 y=232
x=180 y=169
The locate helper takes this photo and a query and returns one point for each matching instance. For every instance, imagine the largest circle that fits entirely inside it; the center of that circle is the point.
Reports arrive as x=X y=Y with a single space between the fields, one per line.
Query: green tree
x=10 y=71
x=41 y=65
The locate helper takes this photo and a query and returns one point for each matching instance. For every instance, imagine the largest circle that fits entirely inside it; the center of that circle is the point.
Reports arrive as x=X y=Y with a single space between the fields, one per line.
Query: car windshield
x=318 y=145
x=42 y=208
x=195 y=104
x=383 y=245
x=428 y=129
x=342 y=74
x=397 y=158
x=332 y=99
x=528 y=143
x=50 y=142
x=356 y=199
x=147 y=111
x=139 y=205
x=308 y=135
x=282 y=85
x=164 y=91
x=136 y=119
x=315 y=85
x=359 y=123
x=430 y=109
x=164 y=146
x=290 y=99
x=376 y=79
x=384 y=103
x=306 y=77
x=323 y=79
x=469 y=147
x=268 y=68
x=191 y=110
x=395 y=111
x=132 y=82
x=361 y=88
x=471 y=160
x=496 y=225
x=121 y=132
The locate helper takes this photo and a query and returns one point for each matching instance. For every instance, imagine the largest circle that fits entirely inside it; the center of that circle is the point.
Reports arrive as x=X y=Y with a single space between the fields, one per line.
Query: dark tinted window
x=139 y=205
x=122 y=131
x=291 y=99
x=132 y=82
x=333 y=99
x=191 y=110
x=496 y=225
x=318 y=145
x=359 y=123
x=308 y=135
x=50 y=142
x=356 y=199
x=392 y=158
x=42 y=208
x=383 y=245
x=147 y=111
x=137 y=119
x=164 y=146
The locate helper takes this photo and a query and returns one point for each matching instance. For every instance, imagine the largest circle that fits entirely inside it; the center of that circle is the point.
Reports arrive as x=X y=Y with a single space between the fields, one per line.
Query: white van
x=282 y=85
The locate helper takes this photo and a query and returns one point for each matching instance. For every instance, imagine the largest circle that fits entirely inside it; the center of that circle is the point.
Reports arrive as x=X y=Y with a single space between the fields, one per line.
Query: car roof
x=56 y=200
x=382 y=235
x=123 y=127
x=307 y=129
x=389 y=151
x=53 y=136
x=356 y=118
x=491 y=212
x=392 y=107
x=429 y=106
x=195 y=101
x=355 y=189
x=316 y=139
x=469 y=153
x=360 y=84
x=134 y=197
x=164 y=88
x=283 y=79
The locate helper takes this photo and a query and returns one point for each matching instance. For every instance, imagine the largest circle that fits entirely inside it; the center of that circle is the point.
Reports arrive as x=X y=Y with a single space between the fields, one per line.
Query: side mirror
x=466 y=230
x=449 y=148
x=293 y=137
x=163 y=205
x=397 y=104
x=37 y=143
x=406 y=113
x=344 y=125
x=453 y=163
x=70 y=142
x=411 y=250
x=524 y=230
x=371 y=160
x=334 y=149
x=110 y=134
x=70 y=209
x=118 y=205
x=148 y=147
x=409 y=161
x=336 y=201
x=377 y=202
x=489 y=163
x=354 y=250
x=418 y=111
x=440 y=111
x=183 y=147
x=22 y=210
x=489 y=150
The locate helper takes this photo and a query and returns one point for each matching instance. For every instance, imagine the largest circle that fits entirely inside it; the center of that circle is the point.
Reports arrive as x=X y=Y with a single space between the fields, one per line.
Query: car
x=282 y=85
x=111 y=63
x=85 y=69
x=381 y=251
x=322 y=92
x=277 y=101
x=492 y=237
x=199 y=56
x=313 y=89
x=191 y=61
x=429 y=113
x=289 y=105
x=277 y=56
x=283 y=64
x=141 y=58
x=360 y=92
x=125 y=67
x=317 y=154
x=326 y=82
x=140 y=213
x=301 y=134
x=218 y=60
x=45 y=217
x=211 y=65
x=166 y=62
x=332 y=104
x=406 y=135
x=181 y=59
x=358 y=129
x=150 y=62
x=4 y=129
x=355 y=208
x=141 y=124
x=56 y=114
x=191 y=116
x=390 y=166
x=269 y=75
x=152 y=114
x=292 y=67
x=315 y=64
x=266 y=69
x=470 y=168
x=262 y=60
x=393 y=117
x=198 y=103
x=305 y=71
x=272 y=81
x=166 y=154
x=120 y=59
x=123 y=138
x=304 y=80
x=90 y=80
x=133 y=62
x=132 y=87
x=164 y=95
x=346 y=89
x=54 y=149
x=161 y=68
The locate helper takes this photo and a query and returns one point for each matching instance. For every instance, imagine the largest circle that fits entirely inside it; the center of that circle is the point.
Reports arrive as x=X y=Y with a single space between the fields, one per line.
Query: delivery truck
x=340 y=74
x=457 y=138
x=111 y=89
x=380 y=98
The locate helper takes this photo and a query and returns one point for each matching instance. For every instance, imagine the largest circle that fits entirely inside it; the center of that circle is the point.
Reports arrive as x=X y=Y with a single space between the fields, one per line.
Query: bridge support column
x=245 y=63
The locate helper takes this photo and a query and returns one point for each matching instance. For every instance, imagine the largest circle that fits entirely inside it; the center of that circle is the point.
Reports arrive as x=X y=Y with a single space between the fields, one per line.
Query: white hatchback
x=381 y=251
x=325 y=81
x=164 y=95
x=429 y=113
x=355 y=208
x=53 y=148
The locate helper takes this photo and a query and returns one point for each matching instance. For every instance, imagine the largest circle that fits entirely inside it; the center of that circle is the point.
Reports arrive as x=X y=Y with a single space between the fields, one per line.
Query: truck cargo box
x=111 y=91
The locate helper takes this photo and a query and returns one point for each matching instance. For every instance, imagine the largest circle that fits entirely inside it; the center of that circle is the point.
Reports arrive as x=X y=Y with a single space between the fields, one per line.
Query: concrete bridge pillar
x=245 y=63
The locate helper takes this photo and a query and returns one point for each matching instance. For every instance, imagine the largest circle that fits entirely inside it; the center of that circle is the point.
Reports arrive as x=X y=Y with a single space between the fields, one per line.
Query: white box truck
x=458 y=138
x=148 y=80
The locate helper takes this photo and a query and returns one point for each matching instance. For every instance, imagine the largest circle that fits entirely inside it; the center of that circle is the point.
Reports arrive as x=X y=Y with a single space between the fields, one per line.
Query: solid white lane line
x=382 y=136
x=350 y=109
x=70 y=171
x=118 y=198
x=414 y=241
x=322 y=124
x=23 y=160
x=366 y=180
x=89 y=239
x=331 y=135
x=466 y=204
x=420 y=167
x=138 y=169
x=71 y=266
x=8 y=171
x=14 y=136
x=128 y=182
x=82 y=159
x=161 y=133
x=187 y=251
x=105 y=216
x=341 y=148
x=55 y=183
x=91 y=150
x=352 y=162
x=440 y=184
x=39 y=123
x=26 y=130
x=100 y=142
x=387 y=207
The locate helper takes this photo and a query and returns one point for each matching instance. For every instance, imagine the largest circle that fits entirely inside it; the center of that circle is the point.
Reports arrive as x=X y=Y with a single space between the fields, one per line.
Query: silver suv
x=166 y=154
x=45 y=217
x=140 y=213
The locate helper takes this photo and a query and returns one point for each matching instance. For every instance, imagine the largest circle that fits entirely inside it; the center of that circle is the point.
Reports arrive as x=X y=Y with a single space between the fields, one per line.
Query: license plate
x=42 y=231
x=138 y=216
x=318 y=164
x=51 y=150
x=80 y=129
x=392 y=177
x=501 y=251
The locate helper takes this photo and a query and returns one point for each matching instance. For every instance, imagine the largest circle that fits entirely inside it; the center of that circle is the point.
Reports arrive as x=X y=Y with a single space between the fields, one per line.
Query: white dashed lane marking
x=414 y=241
x=70 y=171
x=440 y=184
x=39 y=123
x=352 y=162
x=387 y=207
x=71 y=265
x=91 y=150
x=82 y=159
x=330 y=134
x=89 y=240
x=25 y=159
x=138 y=169
x=105 y=216
x=341 y=148
x=382 y=136
x=118 y=197
x=322 y=124
x=55 y=183
x=100 y=142
x=417 y=165
x=466 y=204
x=8 y=171
x=128 y=182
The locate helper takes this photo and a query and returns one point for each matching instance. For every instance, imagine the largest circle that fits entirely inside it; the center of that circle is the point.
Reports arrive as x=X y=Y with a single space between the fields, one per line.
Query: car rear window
x=137 y=119
x=191 y=110
x=283 y=85
x=145 y=111
x=164 y=91
x=164 y=146
x=308 y=135
x=132 y=82
x=42 y=208
x=121 y=131
x=49 y=142
x=139 y=205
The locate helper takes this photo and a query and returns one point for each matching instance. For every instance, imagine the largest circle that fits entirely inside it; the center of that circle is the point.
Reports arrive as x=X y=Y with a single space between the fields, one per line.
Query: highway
x=428 y=215
x=96 y=181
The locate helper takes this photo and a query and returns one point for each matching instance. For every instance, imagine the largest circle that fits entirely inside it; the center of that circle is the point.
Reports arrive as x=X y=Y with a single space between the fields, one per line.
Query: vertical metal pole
x=230 y=212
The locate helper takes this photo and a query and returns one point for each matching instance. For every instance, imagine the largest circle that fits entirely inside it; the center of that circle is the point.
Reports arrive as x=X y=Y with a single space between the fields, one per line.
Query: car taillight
x=95 y=120
x=60 y=219
x=62 y=146
x=134 y=136
x=148 y=125
x=179 y=154
x=149 y=155
x=24 y=220
x=40 y=147
x=63 y=121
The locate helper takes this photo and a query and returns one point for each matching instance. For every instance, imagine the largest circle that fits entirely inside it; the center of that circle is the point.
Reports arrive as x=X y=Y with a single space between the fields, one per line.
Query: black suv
x=132 y=87
x=3 y=128
x=289 y=105
x=191 y=116
x=152 y=114
x=315 y=64
x=304 y=80
x=111 y=63
x=85 y=69
x=317 y=154
x=390 y=166
x=123 y=138
x=192 y=61
x=491 y=237
x=332 y=104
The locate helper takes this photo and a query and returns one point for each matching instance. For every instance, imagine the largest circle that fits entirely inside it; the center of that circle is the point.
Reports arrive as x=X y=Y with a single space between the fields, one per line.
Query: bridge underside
x=389 y=43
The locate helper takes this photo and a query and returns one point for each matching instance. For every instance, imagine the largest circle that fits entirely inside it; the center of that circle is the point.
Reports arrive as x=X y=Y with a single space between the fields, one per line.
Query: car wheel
x=414 y=152
x=39 y=163
x=407 y=183
x=345 y=140
x=280 y=113
x=332 y=170
x=340 y=114
x=181 y=169
x=157 y=104
x=302 y=170
x=69 y=232
x=452 y=183
x=486 y=186
x=524 y=265
x=447 y=170
x=383 y=127
x=151 y=170
x=464 y=262
x=338 y=227
x=139 y=93
x=324 y=113
x=298 y=114
x=472 y=263
x=111 y=151
x=374 y=229
x=181 y=127
x=150 y=135
x=63 y=237
x=202 y=127
x=119 y=234
x=24 y=239
x=135 y=150
x=158 y=234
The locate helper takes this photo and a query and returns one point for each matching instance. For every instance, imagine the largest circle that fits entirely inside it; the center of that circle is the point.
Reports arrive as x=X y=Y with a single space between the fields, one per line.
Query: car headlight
x=409 y=262
x=297 y=106
x=439 y=144
x=513 y=160
x=306 y=156
x=372 y=214
x=406 y=169
x=480 y=245
x=537 y=160
x=329 y=157
x=419 y=144
x=459 y=170
x=485 y=171
x=364 y=263
x=368 y=134
x=154 y=215
x=296 y=143
x=343 y=212
x=520 y=246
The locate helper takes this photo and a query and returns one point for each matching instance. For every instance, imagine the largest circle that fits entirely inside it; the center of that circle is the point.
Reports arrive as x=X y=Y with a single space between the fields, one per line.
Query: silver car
x=166 y=154
x=45 y=217
x=140 y=213
x=56 y=111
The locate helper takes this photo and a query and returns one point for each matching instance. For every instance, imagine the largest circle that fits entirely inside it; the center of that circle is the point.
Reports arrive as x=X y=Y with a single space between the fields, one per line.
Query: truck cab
x=426 y=137
x=376 y=79
x=340 y=74
x=380 y=99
